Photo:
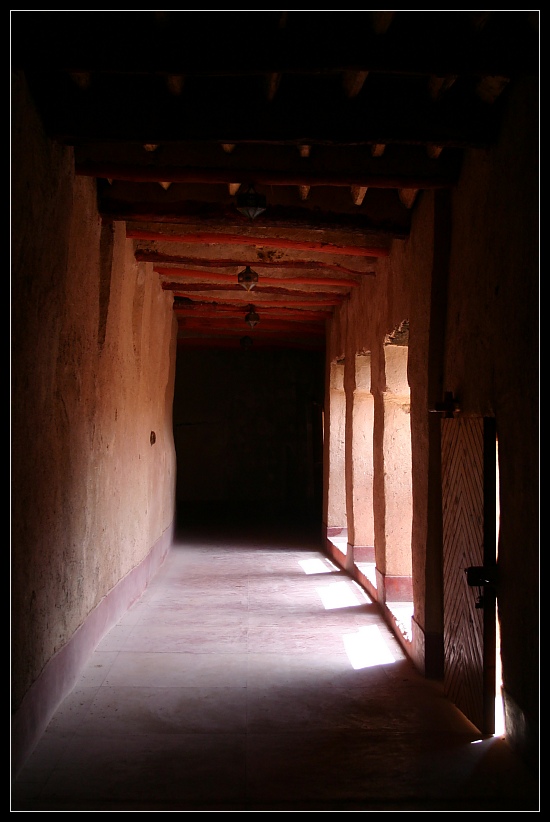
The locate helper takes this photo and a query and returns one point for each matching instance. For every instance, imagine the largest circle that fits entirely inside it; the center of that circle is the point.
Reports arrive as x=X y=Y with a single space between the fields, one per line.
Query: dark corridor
x=248 y=429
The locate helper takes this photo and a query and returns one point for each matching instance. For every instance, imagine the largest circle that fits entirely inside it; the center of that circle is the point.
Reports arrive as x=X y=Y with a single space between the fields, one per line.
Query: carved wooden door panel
x=468 y=452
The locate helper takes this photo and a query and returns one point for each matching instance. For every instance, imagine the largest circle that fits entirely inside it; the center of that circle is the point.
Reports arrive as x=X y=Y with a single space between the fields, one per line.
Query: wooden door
x=468 y=451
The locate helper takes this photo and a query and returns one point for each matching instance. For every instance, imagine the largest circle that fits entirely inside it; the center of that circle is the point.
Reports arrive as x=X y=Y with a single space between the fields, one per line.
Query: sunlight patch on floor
x=318 y=566
x=338 y=595
x=367 y=648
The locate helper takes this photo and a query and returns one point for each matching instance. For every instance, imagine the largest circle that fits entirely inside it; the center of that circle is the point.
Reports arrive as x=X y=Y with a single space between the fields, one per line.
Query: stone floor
x=255 y=675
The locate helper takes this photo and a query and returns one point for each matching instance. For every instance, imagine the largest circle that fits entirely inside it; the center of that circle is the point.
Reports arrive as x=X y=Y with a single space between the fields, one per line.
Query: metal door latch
x=448 y=408
x=479 y=576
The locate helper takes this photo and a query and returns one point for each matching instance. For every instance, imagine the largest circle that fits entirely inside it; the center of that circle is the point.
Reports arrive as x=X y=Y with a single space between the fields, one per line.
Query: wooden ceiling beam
x=201 y=238
x=148 y=173
x=353 y=82
x=209 y=290
x=140 y=114
x=281 y=219
x=358 y=194
x=207 y=310
x=147 y=255
x=272 y=82
x=249 y=158
x=169 y=272
x=314 y=302
x=203 y=276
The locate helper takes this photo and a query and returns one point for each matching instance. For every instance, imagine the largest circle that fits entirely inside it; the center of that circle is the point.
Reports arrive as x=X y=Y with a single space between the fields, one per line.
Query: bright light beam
x=367 y=648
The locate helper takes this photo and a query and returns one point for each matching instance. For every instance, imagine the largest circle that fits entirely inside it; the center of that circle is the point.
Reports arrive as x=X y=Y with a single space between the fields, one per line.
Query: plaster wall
x=93 y=354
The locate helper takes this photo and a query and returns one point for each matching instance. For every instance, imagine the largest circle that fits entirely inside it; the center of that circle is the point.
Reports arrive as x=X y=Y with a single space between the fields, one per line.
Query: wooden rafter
x=340 y=120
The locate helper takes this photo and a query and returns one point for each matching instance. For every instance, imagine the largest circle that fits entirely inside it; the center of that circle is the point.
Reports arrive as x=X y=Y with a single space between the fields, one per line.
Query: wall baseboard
x=63 y=670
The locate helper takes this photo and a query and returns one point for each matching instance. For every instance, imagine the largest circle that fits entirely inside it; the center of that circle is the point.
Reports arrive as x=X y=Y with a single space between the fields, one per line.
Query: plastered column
x=336 y=435
x=361 y=535
x=397 y=477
